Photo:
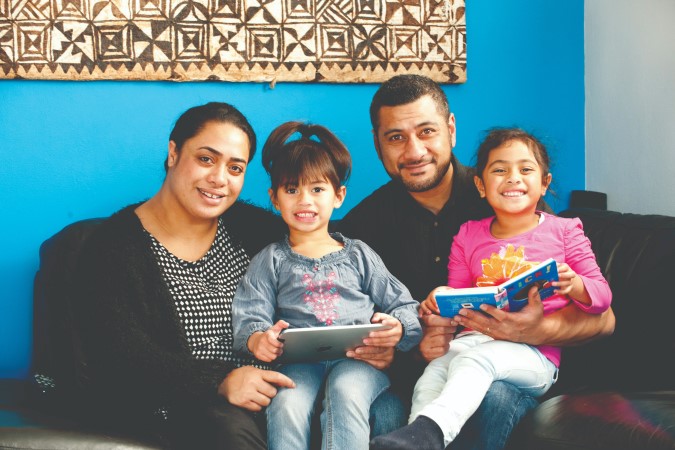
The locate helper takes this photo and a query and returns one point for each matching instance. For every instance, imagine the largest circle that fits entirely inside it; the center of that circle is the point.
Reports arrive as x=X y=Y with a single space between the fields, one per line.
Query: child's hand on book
x=388 y=337
x=266 y=346
x=566 y=278
x=429 y=304
x=570 y=284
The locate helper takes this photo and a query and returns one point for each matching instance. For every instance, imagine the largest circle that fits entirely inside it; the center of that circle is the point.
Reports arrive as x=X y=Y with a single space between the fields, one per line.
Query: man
x=411 y=221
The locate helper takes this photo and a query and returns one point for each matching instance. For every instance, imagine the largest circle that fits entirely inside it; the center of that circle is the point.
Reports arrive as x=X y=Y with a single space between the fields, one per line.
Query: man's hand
x=265 y=345
x=564 y=327
x=438 y=332
x=521 y=326
x=251 y=388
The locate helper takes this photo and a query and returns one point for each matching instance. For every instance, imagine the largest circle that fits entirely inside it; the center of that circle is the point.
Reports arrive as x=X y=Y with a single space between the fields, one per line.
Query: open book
x=512 y=293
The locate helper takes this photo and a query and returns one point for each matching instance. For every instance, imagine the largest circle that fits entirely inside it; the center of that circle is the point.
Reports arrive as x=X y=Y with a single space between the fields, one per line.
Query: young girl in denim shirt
x=512 y=172
x=314 y=278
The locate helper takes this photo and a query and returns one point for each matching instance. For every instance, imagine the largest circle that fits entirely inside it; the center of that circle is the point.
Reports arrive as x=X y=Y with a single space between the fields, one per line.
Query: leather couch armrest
x=600 y=421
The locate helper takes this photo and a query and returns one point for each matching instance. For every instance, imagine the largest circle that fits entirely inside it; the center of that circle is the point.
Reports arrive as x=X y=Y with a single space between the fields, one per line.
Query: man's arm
x=565 y=327
x=571 y=326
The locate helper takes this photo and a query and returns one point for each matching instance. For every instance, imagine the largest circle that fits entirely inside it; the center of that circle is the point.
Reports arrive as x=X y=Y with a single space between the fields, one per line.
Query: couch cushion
x=636 y=253
x=24 y=427
x=38 y=435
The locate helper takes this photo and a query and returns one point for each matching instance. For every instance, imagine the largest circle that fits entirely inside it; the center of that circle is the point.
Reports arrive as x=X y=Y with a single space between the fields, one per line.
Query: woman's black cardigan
x=135 y=347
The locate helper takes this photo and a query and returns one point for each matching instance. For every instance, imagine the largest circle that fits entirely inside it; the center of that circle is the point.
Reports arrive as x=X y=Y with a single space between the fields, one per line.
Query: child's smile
x=308 y=207
x=512 y=180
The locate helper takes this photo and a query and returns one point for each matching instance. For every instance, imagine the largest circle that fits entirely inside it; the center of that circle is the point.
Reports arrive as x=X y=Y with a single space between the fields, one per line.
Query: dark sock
x=422 y=434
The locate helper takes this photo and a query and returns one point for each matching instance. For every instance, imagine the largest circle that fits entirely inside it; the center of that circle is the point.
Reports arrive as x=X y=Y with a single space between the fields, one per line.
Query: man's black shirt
x=413 y=242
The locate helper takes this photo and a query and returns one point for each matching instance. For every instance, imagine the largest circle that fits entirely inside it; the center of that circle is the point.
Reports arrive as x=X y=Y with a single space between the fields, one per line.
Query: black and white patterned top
x=203 y=291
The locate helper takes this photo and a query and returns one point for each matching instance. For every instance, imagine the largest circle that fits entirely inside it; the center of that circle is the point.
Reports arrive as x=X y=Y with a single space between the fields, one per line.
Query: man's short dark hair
x=404 y=89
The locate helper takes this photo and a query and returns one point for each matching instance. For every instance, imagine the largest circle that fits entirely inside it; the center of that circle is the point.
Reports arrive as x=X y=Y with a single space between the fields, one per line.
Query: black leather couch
x=618 y=392
x=614 y=393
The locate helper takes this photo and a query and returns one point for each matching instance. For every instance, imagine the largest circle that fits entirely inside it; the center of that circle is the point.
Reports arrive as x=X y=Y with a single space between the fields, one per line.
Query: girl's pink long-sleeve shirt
x=555 y=237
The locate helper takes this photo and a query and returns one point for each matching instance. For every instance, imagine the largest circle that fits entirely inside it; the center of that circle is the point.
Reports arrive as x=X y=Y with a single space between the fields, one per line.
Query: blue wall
x=72 y=150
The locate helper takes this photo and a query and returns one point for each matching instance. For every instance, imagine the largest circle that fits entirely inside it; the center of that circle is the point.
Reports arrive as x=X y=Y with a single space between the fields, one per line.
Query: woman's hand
x=251 y=388
x=520 y=326
x=438 y=332
x=265 y=345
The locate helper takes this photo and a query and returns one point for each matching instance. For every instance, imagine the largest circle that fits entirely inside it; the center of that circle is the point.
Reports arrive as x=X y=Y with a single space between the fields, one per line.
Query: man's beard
x=423 y=185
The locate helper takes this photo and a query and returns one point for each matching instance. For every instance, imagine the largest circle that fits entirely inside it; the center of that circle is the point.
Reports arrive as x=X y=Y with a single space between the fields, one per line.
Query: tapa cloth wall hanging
x=232 y=40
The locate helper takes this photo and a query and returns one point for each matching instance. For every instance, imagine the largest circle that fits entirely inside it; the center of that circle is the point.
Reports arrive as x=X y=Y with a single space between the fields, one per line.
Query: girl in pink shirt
x=512 y=174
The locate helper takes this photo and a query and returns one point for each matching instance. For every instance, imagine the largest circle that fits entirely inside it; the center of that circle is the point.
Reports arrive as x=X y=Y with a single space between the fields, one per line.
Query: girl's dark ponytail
x=317 y=152
x=276 y=142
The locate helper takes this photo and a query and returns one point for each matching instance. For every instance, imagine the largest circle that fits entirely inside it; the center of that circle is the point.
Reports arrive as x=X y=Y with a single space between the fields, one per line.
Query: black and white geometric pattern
x=203 y=292
x=233 y=40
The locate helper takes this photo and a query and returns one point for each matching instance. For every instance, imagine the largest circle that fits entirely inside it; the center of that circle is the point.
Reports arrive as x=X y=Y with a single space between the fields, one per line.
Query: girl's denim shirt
x=342 y=288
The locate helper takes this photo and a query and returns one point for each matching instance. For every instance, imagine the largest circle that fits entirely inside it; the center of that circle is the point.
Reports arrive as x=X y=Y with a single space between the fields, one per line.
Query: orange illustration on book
x=503 y=266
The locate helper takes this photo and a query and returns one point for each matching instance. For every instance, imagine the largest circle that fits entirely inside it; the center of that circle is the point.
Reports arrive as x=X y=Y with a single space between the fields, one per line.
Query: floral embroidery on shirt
x=322 y=297
x=504 y=265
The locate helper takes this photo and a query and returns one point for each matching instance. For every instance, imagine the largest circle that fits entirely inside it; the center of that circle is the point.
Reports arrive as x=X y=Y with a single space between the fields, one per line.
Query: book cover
x=512 y=292
x=451 y=301
x=542 y=275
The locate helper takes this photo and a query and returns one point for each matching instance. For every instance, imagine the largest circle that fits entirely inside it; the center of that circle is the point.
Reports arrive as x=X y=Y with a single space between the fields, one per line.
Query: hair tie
x=307 y=133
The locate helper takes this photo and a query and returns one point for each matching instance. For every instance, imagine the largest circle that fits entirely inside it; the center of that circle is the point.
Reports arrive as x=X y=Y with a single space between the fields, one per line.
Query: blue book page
x=542 y=275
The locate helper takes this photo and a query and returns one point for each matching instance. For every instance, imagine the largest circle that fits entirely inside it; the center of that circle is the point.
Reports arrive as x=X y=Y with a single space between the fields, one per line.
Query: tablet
x=323 y=343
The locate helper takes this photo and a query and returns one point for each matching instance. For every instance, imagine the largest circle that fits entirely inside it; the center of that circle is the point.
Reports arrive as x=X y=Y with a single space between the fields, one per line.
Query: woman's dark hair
x=191 y=122
x=305 y=160
x=496 y=137
x=404 y=89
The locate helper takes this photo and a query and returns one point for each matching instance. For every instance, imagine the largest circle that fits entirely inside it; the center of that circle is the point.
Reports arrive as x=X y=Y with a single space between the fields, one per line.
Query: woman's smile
x=215 y=195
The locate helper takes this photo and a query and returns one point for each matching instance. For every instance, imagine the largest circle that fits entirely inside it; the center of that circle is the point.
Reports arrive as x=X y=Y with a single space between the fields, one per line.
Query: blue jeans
x=488 y=429
x=350 y=388
x=388 y=413
x=491 y=425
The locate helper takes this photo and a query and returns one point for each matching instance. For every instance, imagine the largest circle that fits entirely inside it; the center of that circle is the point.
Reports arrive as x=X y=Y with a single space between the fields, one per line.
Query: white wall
x=630 y=103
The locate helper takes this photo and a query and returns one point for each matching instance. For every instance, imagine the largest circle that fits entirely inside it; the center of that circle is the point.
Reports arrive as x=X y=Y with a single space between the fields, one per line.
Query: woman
x=156 y=283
